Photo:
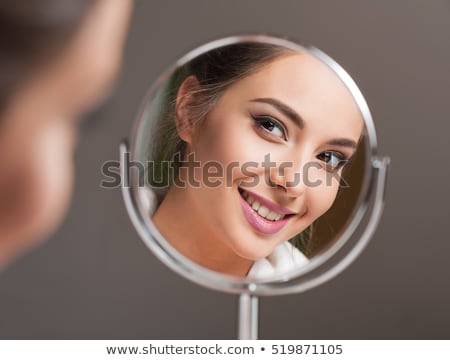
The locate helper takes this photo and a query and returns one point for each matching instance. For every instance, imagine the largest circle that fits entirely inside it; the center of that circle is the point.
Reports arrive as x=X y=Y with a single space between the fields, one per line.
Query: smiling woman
x=279 y=127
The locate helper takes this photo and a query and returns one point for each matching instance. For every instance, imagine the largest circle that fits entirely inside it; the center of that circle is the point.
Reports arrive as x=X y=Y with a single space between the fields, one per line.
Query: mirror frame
x=322 y=267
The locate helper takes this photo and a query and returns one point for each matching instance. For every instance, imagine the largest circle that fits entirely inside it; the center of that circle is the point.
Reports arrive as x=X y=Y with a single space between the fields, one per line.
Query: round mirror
x=251 y=165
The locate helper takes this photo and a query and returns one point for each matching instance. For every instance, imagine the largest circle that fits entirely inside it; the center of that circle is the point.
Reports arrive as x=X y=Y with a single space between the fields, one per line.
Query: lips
x=262 y=214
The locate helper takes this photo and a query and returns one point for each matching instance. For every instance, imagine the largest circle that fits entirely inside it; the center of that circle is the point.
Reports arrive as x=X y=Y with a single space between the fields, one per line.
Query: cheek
x=232 y=143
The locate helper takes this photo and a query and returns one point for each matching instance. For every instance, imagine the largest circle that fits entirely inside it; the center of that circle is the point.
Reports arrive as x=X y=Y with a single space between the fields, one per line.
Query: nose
x=287 y=177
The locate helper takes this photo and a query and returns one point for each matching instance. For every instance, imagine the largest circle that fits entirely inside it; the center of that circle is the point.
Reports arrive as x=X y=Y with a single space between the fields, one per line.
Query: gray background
x=96 y=279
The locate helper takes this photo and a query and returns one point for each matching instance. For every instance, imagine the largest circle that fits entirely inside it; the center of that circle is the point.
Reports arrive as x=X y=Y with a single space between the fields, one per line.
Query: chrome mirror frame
x=322 y=267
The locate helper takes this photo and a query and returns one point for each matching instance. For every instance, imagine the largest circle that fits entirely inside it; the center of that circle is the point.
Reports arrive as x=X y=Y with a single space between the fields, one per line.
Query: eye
x=333 y=160
x=271 y=126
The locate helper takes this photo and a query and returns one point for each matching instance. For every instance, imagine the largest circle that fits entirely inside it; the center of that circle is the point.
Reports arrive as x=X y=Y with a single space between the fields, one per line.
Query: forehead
x=306 y=85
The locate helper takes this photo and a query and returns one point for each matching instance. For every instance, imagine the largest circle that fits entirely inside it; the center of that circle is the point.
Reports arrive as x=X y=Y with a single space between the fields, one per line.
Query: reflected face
x=293 y=122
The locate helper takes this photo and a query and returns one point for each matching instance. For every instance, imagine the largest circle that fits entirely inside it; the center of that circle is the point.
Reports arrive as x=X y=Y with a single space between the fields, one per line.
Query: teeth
x=261 y=209
x=271 y=216
x=256 y=205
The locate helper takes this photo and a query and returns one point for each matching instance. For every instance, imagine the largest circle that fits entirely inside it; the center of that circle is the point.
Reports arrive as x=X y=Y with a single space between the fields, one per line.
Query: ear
x=186 y=96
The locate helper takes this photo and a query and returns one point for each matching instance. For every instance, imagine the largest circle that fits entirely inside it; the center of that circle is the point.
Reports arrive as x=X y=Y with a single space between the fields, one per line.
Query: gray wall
x=95 y=278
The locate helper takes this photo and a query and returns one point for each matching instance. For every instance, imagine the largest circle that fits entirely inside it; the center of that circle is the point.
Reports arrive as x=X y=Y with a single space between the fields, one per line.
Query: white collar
x=284 y=258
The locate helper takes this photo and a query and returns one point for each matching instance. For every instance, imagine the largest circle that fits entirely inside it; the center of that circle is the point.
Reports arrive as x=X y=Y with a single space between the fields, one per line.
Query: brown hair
x=31 y=32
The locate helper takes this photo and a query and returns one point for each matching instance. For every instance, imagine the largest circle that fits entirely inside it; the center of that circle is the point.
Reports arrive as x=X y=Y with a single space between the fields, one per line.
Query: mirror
x=251 y=164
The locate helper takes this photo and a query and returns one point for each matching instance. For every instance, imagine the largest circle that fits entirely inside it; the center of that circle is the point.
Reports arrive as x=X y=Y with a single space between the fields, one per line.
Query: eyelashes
x=271 y=127
x=333 y=160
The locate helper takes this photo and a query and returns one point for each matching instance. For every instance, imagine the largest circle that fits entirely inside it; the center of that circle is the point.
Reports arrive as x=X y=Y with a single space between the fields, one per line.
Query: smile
x=263 y=215
x=261 y=209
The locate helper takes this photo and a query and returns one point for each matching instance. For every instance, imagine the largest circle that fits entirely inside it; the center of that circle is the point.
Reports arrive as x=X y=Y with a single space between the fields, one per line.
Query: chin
x=55 y=202
x=56 y=175
x=50 y=191
x=37 y=214
x=255 y=249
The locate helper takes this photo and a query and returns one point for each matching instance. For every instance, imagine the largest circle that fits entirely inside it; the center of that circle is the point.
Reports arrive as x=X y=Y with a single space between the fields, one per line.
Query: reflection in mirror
x=255 y=158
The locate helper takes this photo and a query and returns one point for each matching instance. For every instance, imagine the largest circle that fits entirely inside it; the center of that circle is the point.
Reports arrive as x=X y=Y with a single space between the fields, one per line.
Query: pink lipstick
x=263 y=215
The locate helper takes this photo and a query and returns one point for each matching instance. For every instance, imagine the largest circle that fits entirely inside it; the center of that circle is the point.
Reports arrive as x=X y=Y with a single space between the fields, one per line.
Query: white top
x=284 y=258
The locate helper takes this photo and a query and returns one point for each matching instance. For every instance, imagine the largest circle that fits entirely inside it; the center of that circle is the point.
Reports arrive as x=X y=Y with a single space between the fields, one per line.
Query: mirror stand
x=248 y=317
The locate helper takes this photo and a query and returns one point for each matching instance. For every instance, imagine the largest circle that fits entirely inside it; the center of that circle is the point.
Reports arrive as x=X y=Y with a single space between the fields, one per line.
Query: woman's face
x=281 y=135
x=39 y=127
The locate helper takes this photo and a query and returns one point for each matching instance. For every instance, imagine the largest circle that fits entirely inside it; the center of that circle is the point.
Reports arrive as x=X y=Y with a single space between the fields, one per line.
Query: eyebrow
x=343 y=142
x=285 y=109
